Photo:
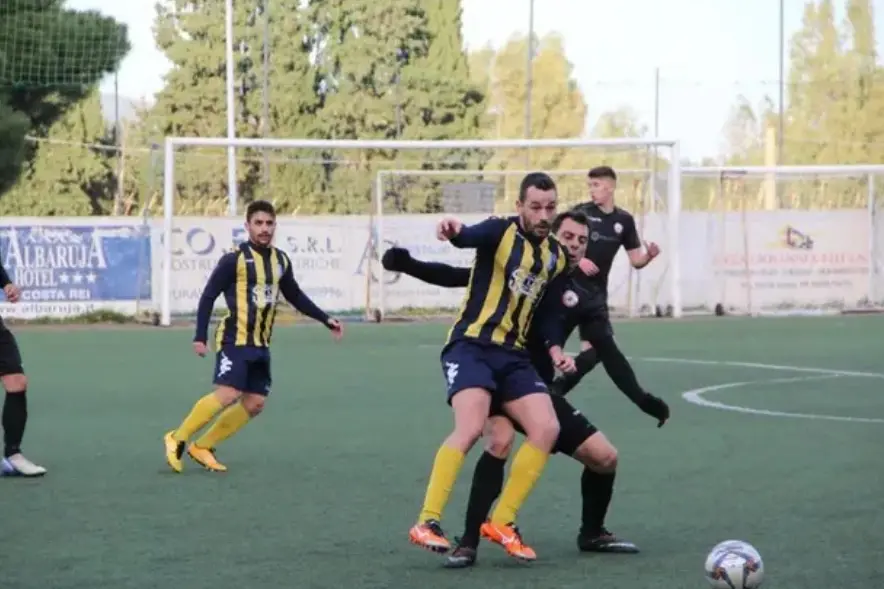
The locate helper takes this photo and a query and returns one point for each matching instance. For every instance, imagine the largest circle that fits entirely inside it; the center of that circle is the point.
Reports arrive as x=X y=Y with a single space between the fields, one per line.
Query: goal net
x=343 y=203
x=473 y=194
x=782 y=240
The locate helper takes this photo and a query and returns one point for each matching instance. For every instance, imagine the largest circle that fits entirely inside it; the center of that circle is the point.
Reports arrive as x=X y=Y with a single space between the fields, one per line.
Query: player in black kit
x=578 y=437
x=610 y=228
x=15 y=406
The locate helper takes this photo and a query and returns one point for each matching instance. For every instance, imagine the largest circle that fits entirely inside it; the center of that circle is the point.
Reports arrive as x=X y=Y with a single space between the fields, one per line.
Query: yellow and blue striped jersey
x=511 y=273
x=251 y=278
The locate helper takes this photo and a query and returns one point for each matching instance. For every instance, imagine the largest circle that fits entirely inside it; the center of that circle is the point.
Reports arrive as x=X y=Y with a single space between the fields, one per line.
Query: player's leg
x=612 y=358
x=231 y=376
x=529 y=404
x=487 y=484
x=238 y=414
x=469 y=380
x=15 y=410
x=599 y=458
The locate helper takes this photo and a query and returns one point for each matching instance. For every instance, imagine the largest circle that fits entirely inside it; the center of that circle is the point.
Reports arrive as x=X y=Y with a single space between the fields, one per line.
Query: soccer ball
x=734 y=564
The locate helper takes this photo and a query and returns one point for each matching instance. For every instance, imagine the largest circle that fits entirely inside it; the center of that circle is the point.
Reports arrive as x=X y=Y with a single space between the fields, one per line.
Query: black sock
x=15 y=416
x=487 y=485
x=620 y=370
x=596 y=490
x=585 y=361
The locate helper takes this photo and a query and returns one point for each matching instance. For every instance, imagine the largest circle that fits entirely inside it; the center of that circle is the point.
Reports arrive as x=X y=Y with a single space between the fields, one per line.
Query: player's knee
x=227 y=395
x=543 y=432
x=471 y=407
x=548 y=432
x=467 y=430
x=499 y=437
x=14 y=383
x=607 y=461
x=598 y=454
x=253 y=404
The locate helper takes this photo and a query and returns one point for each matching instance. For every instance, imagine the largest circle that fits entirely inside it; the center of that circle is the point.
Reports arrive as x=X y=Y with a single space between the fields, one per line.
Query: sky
x=707 y=52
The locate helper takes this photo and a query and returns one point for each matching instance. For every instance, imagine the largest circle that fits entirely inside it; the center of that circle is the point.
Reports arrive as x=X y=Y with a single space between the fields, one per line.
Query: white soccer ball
x=734 y=564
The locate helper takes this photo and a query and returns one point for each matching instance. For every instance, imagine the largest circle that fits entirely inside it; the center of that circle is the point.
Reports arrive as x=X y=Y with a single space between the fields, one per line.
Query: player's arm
x=549 y=323
x=292 y=292
x=221 y=278
x=13 y=294
x=484 y=234
x=398 y=259
x=639 y=256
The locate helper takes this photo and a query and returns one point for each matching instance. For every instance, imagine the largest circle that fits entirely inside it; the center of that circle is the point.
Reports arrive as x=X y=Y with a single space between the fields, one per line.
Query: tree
x=744 y=132
x=70 y=172
x=818 y=108
x=439 y=101
x=193 y=101
x=558 y=109
x=835 y=109
x=865 y=87
x=50 y=59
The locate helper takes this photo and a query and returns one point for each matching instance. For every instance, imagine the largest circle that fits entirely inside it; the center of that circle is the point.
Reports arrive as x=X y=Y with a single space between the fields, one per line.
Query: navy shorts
x=507 y=374
x=244 y=368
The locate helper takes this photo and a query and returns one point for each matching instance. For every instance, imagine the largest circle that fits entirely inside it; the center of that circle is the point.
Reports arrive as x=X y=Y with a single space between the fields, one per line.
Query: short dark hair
x=574 y=215
x=260 y=206
x=538 y=180
x=603 y=172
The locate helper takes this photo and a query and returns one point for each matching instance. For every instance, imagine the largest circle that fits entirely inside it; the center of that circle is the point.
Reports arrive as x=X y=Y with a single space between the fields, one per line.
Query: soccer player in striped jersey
x=517 y=263
x=251 y=278
x=578 y=437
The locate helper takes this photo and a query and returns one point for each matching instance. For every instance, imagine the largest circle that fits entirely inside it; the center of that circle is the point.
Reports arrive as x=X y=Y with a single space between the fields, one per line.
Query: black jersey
x=607 y=233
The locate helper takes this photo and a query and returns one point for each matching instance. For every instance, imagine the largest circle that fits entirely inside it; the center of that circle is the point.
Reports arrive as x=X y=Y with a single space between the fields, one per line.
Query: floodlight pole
x=231 y=110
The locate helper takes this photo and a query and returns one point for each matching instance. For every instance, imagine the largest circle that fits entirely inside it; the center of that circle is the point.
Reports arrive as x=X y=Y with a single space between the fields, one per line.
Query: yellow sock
x=527 y=467
x=229 y=422
x=446 y=466
x=201 y=414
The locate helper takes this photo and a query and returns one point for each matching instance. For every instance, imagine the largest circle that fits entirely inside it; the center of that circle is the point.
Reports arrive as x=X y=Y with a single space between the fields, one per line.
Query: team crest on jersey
x=263 y=295
x=524 y=283
x=570 y=299
x=618 y=228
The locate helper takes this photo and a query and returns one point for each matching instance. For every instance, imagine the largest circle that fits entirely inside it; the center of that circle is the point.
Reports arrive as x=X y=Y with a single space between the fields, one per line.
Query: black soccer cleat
x=461 y=557
x=604 y=541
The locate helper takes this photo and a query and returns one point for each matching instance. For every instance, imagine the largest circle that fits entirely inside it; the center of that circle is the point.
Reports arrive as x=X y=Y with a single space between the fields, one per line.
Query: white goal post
x=786 y=240
x=625 y=285
x=672 y=174
x=755 y=240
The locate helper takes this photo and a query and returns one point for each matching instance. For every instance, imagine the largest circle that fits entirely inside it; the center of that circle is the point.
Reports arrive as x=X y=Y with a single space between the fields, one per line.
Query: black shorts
x=10 y=357
x=597 y=326
x=574 y=427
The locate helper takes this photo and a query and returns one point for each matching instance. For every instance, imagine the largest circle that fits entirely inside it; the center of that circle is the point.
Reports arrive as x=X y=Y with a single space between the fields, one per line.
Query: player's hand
x=561 y=360
x=200 y=349
x=13 y=293
x=337 y=329
x=653 y=250
x=447 y=228
x=395 y=259
x=588 y=267
x=656 y=408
